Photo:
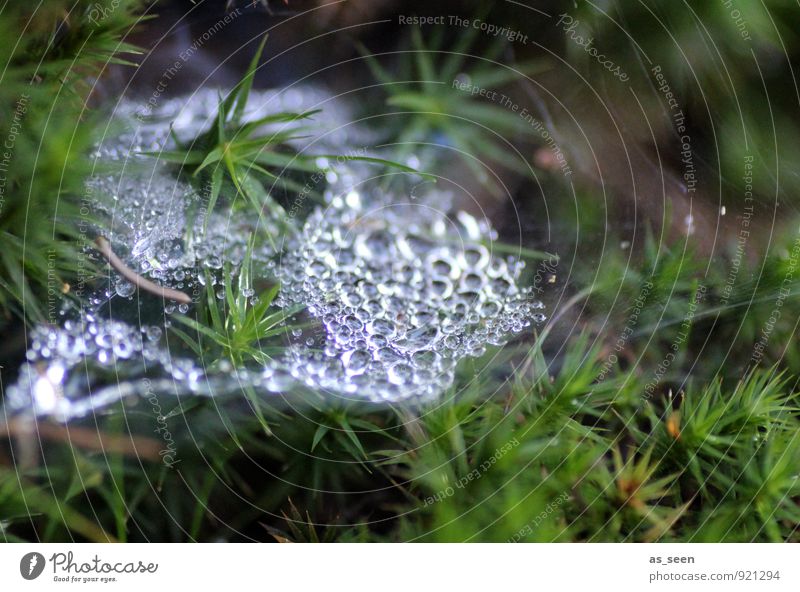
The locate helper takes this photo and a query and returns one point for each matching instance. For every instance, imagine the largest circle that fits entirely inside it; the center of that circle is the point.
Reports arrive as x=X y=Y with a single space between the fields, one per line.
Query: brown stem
x=104 y=247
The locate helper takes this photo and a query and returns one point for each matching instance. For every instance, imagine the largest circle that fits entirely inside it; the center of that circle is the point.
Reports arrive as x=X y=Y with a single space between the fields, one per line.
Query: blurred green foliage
x=48 y=75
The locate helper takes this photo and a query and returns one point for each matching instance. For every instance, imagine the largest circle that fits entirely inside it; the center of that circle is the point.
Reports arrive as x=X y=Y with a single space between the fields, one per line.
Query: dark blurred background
x=729 y=171
x=728 y=65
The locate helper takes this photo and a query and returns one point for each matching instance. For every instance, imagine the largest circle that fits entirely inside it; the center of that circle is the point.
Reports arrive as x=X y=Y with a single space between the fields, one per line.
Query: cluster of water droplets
x=403 y=291
x=160 y=225
x=67 y=366
x=147 y=128
x=400 y=288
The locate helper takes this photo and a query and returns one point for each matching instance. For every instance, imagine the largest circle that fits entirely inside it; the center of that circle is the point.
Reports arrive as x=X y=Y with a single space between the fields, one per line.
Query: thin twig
x=89 y=439
x=104 y=247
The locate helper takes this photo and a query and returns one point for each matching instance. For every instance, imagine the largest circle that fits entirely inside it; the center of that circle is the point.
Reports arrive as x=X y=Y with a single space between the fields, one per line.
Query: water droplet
x=125 y=288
